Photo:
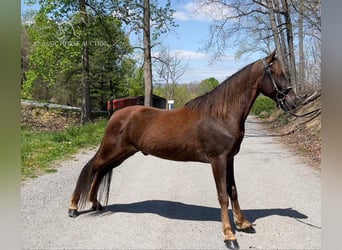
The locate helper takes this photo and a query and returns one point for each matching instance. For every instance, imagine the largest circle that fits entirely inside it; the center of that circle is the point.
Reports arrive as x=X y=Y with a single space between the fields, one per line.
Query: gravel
x=161 y=204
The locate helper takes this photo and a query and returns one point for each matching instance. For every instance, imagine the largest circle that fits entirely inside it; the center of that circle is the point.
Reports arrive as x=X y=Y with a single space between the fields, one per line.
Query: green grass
x=39 y=148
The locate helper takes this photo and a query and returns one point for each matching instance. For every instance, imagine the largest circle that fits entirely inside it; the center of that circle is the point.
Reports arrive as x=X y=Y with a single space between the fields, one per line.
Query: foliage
x=46 y=59
x=263 y=106
x=54 y=70
x=147 y=20
x=136 y=83
x=208 y=85
x=131 y=13
x=40 y=148
x=182 y=95
x=186 y=92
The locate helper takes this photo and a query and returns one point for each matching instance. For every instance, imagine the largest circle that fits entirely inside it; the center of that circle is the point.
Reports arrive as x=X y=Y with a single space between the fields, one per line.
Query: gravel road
x=160 y=204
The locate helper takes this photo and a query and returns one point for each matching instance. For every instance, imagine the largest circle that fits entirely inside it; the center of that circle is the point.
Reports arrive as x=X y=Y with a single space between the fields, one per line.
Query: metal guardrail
x=95 y=113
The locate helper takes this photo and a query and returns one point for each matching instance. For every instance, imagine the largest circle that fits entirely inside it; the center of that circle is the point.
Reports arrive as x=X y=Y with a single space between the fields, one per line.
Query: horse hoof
x=99 y=207
x=249 y=230
x=232 y=244
x=72 y=213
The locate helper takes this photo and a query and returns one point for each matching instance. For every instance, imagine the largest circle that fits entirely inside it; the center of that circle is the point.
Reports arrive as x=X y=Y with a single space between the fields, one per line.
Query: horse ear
x=270 y=58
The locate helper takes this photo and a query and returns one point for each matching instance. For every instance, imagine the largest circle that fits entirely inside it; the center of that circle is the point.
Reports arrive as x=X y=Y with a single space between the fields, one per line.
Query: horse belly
x=170 y=148
x=177 y=147
x=170 y=135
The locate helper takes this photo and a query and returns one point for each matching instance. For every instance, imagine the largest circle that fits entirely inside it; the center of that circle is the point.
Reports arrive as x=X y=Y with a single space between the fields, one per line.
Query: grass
x=39 y=149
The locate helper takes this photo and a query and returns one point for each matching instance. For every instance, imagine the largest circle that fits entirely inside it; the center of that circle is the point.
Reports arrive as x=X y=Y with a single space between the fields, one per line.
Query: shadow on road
x=182 y=211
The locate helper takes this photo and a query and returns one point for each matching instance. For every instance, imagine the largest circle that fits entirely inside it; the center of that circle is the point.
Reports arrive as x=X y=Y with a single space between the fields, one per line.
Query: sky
x=187 y=40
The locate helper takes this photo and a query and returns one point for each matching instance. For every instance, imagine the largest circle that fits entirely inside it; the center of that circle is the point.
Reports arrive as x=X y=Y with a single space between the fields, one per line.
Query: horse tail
x=84 y=181
x=105 y=184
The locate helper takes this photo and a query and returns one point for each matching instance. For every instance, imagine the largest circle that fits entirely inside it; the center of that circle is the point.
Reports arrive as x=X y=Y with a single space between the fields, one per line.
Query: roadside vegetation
x=263 y=106
x=39 y=149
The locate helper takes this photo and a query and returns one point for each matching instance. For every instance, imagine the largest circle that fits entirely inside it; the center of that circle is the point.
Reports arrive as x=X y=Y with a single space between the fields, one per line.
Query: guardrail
x=48 y=105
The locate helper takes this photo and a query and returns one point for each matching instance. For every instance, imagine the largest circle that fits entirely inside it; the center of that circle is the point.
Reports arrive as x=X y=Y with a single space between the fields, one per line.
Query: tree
x=86 y=108
x=143 y=16
x=301 y=74
x=147 y=53
x=169 y=69
x=56 y=56
x=268 y=24
x=46 y=57
x=207 y=85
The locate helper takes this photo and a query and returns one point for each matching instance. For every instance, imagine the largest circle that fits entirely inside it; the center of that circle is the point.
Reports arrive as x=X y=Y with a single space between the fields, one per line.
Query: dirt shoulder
x=300 y=135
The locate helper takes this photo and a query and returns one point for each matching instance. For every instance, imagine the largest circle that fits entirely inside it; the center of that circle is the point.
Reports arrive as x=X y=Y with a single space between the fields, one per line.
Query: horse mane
x=219 y=101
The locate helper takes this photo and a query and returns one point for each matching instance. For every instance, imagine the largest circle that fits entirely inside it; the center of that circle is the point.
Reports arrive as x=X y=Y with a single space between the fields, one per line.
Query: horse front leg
x=241 y=223
x=219 y=168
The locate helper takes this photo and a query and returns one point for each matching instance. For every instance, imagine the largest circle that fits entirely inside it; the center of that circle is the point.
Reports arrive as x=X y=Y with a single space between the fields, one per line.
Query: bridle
x=282 y=92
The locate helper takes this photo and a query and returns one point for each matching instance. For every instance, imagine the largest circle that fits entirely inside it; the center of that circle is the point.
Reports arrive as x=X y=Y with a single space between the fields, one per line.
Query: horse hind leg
x=102 y=181
x=107 y=157
x=103 y=177
x=82 y=188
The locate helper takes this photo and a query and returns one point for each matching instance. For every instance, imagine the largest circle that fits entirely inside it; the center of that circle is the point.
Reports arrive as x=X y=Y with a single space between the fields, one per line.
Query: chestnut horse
x=207 y=129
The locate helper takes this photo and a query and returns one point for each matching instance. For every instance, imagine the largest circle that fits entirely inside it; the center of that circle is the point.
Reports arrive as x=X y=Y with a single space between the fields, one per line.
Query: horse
x=208 y=129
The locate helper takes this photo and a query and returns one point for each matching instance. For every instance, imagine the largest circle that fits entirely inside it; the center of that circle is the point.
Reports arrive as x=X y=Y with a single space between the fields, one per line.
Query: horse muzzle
x=287 y=102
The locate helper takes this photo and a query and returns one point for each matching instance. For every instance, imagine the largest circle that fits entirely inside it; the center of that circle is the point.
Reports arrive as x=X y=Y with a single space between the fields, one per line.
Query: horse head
x=275 y=84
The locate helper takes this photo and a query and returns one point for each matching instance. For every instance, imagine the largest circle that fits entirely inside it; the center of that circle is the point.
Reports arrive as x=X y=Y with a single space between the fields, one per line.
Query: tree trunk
x=147 y=55
x=283 y=47
x=86 y=108
x=275 y=31
x=289 y=32
x=301 y=73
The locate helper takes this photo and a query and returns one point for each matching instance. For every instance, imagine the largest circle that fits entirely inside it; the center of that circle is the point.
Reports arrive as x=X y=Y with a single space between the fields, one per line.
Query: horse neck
x=232 y=99
x=242 y=103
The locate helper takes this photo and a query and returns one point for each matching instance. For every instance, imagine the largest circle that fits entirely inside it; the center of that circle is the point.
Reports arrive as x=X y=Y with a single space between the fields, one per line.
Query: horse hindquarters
x=113 y=150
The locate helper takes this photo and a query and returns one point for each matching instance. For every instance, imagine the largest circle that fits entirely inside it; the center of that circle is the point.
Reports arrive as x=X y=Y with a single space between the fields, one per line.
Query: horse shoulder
x=219 y=137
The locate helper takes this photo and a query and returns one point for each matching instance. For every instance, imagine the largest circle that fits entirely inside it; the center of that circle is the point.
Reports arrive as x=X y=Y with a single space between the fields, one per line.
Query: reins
x=281 y=93
x=312 y=113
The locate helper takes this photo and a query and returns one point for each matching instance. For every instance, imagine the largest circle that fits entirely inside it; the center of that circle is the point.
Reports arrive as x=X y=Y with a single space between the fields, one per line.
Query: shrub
x=263 y=106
